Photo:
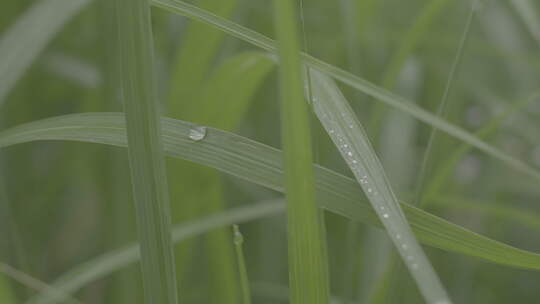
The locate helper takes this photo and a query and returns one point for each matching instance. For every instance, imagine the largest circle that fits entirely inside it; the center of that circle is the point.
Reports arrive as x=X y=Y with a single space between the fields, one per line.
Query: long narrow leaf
x=261 y=164
x=308 y=269
x=146 y=158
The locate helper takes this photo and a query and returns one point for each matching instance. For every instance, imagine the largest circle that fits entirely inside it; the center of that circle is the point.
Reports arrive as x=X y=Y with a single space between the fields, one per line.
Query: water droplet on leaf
x=197 y=133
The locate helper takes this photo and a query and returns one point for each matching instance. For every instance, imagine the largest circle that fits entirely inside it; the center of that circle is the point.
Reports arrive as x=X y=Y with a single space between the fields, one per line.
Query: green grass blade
x=348 y=135
x=21 y=44
x=262 y=165
x=146 y=158
x=238 y=240
x=308 y=269
x=356 y=82
x=103 y=265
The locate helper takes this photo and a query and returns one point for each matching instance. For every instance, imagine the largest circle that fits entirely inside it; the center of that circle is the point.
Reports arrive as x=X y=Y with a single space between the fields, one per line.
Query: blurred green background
x=62 y=202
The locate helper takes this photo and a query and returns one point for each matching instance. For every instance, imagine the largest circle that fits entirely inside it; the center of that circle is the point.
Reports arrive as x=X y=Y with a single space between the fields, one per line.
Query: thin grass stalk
x=145 y=151
x=411 y=39
x=426 y=161
x=238 y=240
x=308 y=273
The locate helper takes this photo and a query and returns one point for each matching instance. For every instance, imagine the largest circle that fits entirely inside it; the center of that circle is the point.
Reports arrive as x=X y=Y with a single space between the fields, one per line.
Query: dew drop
x=404 y=246
x=369 y=190
x=386 y=215
x=354 y=161
x=349 y=153
x=197 y=133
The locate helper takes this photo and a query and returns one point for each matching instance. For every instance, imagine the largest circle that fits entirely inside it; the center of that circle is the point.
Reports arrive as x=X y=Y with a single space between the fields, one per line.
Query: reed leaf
x=308 y=269
x=262 y=165
x=145 y=151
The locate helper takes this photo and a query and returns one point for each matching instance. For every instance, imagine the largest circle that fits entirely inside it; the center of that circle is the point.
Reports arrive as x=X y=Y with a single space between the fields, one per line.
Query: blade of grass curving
x=146 y=158
x=411 y=39
x=238 y=240
x=347 y=133
x=308 y=269
x=105 y=264
x=426 y=160
x=33 y=283
x=262 y=165
x=23 y=41
x=356 y=82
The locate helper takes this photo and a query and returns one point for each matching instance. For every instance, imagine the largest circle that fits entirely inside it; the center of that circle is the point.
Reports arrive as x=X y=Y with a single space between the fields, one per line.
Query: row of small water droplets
x=340 y=122
x=359 y=171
